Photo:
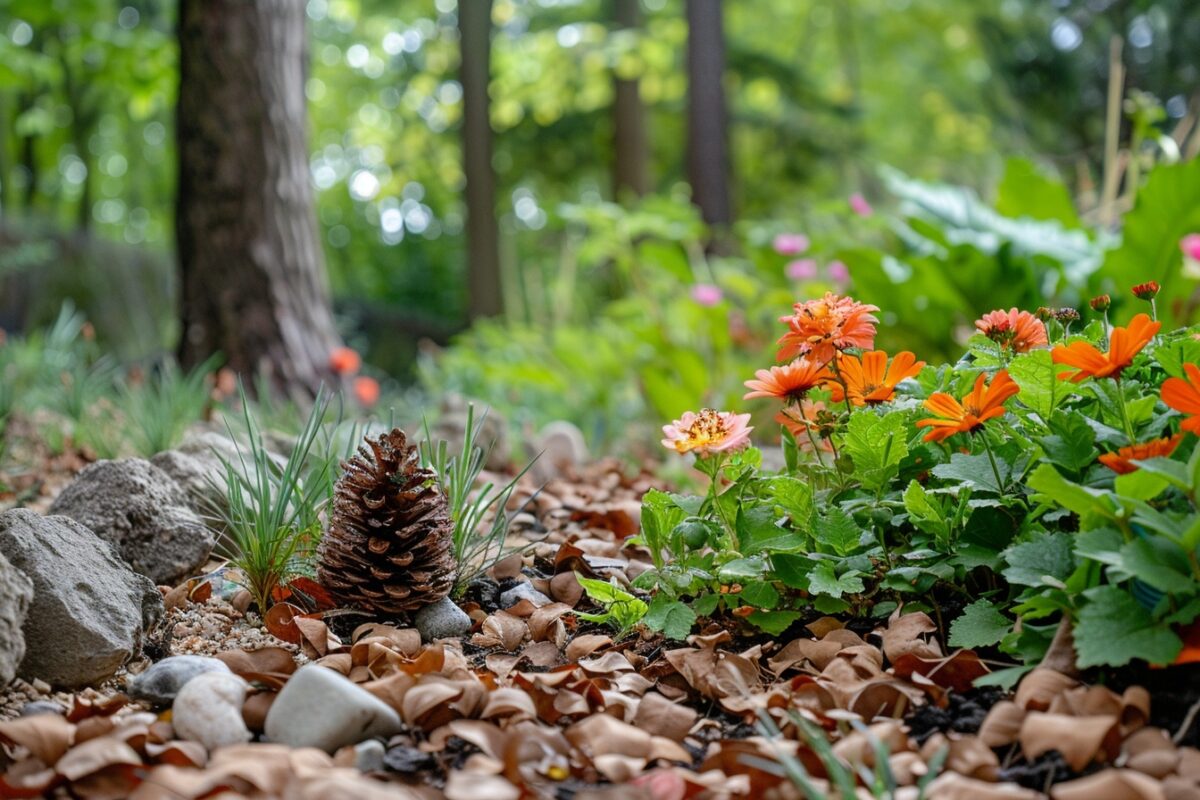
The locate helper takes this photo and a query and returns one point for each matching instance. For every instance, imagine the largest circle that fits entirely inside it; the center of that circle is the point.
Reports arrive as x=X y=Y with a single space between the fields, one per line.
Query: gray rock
x=561 y=450
x=143 y=513
x=324 y=709
x=208 y=710
x=162 y=681
x=442 y=620
x=16 y=593
x=90 y=611
x=35 y=707
x=368 y=756
x=523 y=591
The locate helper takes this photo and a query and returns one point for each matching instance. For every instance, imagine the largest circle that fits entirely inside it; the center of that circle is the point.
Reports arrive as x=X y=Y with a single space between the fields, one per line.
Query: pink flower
x=707 y=432
x=859 y=205
x=706 y=294
x=802 y=269
x=1190 y=245
x=838 y=272
x=790 y=244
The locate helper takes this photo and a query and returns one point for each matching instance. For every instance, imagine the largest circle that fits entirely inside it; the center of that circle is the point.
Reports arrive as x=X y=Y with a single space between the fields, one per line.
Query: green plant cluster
x=1078 y=503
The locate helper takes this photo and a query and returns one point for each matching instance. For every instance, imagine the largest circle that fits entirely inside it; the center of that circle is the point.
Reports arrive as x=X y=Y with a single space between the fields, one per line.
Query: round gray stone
x=442 y=620
x=162 y=681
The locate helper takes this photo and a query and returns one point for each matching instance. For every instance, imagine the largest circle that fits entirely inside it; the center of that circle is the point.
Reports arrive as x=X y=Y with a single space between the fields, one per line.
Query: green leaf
x=760 y=594
x=838 y=531
x=1036 y=374
x=1047 y=555
x=757 y=530
x=823 y=580
x=981 y=624
x=877 y=444
x=1082 y=500
x=1140 y=559
x=1172 y=355
x=974 y=471
x=925 y=513
x=741 y=569
x=1140 y=485
x=706 y=604
x=672 y=617
x=1167 y=209
x=773 y=622
x=794 y=496
x=1113 y=629
x=793 y=570
x=660 y=515
x=1072 y=443
x=1025 y=191
x=1174 y=472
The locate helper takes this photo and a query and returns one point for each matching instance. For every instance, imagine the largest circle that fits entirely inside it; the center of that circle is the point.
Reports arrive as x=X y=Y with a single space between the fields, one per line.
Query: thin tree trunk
x=252 y=272
x=630 y=157
x=708 y=146
x=7 y=196
x=483 y=232
x=29 y=163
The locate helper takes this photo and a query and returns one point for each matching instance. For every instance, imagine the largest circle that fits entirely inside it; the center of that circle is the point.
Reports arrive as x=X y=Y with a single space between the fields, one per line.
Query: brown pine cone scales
x=389 y=547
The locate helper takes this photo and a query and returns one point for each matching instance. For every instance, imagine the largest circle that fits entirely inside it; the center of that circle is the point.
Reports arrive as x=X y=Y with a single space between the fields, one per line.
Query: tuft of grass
x=158 y=410
x=273 y=519
x=477 y=547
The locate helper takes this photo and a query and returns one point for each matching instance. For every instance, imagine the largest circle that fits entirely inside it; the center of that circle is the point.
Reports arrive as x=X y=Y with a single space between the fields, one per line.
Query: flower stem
x=992 y=458
x=1124 y=413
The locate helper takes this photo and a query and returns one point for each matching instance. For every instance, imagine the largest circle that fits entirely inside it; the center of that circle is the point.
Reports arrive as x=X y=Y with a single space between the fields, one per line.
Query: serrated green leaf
x=981 y=624
x=1113 y=629
x=837 y=530
x=758 y=531
x=760 y=594
x=793 y=570
x=1141 y=560
x=1072 y=443
x=1035 y=373
x=877 y=444
x=974 y=471
x=823 y=580
x=705 y=604
x=672 y=617
x=926 y=513
x=1048 y=555
x=773 y=622
x=1081 y=499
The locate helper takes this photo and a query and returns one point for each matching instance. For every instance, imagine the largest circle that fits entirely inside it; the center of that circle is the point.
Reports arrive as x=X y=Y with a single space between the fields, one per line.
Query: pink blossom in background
x=790 y=244
x=838 y=272
x=859 y=205
x=706 y=294
x=802 y=269
x=1190 y=245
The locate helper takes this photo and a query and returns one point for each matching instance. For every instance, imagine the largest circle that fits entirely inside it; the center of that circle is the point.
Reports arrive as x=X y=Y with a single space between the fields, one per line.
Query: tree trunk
x=252 y=271
x=630 y=171
x=483 y=232
x=708 y=147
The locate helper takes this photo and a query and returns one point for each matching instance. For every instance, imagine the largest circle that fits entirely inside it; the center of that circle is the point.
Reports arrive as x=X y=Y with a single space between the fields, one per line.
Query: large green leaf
x=1167 y=209
x=877 y=444
x=981 y=624
x=1025 y=191
x=1114 y=629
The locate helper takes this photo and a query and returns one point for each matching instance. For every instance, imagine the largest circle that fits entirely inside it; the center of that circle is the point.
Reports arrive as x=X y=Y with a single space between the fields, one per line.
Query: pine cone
x=390 y=539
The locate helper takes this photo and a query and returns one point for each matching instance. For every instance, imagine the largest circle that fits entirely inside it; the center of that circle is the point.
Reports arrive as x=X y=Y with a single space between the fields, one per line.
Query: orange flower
x=1145 y=291
x=980 y=405
x=366 y=390
x=820 y=328
x=1184 y=396
x=1123 y=345
x=790 y=382
x=1120 y=461
x=799 y=420
x=344 y=361
x=869 y=380
x=1014 y=329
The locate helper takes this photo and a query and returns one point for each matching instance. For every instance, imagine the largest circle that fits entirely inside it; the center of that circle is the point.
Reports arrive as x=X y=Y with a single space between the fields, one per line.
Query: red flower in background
x=1120 y=462
x=345 y=361
x=366 y=390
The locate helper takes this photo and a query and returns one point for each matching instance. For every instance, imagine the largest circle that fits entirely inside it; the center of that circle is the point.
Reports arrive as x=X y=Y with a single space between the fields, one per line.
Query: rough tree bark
x=483 y=232
x=252 y=271
x=630 y=157
x=708 y=146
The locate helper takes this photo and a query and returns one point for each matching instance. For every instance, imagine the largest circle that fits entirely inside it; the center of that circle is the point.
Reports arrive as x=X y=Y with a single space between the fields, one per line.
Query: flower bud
x=1101 y=303
x=1146 y=291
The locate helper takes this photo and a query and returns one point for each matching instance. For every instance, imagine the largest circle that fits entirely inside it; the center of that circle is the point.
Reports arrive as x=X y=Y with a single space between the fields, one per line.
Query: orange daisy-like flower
x=1184 y=395
x=707 y=432
x=1123 y=345
x=789 y=383
x=800 y=420
x=1014 y=329
x=981 y=404
x=820 y=328
x=869 y=380
x=1120 y=462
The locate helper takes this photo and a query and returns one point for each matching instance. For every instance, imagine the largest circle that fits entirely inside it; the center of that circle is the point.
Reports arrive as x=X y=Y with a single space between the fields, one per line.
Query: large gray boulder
x=90 y=611
x=142 y=512
x=16 y=592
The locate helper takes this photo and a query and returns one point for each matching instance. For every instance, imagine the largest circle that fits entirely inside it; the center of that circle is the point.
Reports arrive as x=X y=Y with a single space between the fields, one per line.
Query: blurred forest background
x=880 y=133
